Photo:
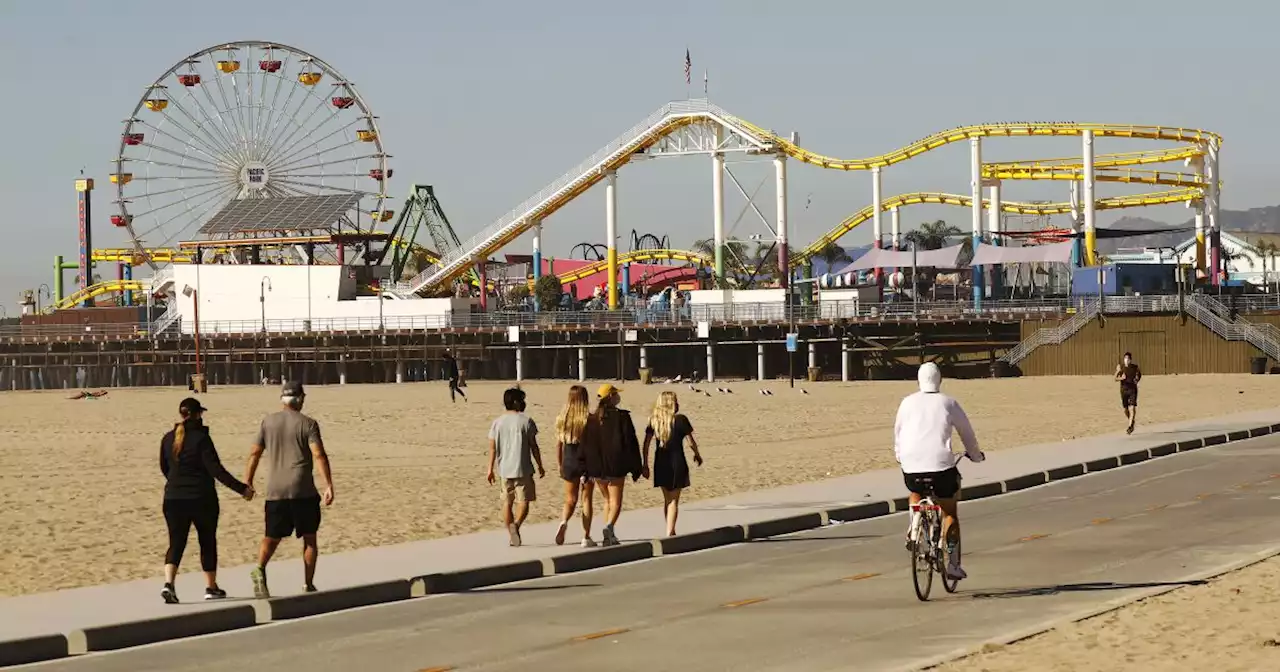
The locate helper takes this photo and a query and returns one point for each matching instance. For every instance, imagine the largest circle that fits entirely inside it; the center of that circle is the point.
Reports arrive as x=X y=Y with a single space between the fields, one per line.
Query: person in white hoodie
x=922 y=445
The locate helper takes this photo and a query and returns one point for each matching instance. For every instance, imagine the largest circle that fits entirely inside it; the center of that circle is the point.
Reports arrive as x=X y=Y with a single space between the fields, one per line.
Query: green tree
x=933 y=235
x=517 y=293
x=548 y=290
x=833 y=254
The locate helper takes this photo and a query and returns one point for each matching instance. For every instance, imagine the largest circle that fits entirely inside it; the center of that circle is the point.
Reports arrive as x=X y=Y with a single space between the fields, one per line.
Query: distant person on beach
x=190 y=463
x=922 y=444
x=451 y=372
x=571 y=424
x=613 y=453
x=1128 y=375
x=513 y=452
x=292 y=445
x=670 y=467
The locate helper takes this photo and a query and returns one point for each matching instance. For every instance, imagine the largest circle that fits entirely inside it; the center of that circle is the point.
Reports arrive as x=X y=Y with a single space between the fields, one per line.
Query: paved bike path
x=82 y=608
x=835 y=598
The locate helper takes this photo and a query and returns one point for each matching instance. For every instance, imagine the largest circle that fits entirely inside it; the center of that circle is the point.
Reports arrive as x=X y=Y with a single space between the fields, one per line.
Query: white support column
x=1089 y=202
x=400 y=371
x=877 y=232
x=1200 y=238
x=844 y=359
x=611 y=234
x=759 y=361
x=1211 y=206
x=993 y=229
x=537 y=260
x=644 y=357
x=519 y=363
x=813 y=354
x=582 y=364
x=711 y=362
x=895 y=227
x=975 y=192
x=717 y=203
x=784 y=265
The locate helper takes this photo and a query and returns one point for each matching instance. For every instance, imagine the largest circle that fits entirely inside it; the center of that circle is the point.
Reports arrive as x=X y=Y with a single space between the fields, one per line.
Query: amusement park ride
x=260 y=155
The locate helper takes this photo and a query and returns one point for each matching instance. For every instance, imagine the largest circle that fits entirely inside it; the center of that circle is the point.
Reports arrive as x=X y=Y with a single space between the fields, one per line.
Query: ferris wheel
x=245 y=120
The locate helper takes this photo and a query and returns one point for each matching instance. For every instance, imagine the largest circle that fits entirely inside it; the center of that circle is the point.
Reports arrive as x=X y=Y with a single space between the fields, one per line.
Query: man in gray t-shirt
x=292 y=445
x=513 y=451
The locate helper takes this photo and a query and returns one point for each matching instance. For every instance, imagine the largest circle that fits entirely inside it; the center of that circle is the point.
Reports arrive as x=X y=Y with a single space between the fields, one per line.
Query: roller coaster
x=681 y=122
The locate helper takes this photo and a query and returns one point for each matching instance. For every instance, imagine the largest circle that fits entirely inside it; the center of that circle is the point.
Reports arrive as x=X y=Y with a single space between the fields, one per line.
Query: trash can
x=198 y=383
x=815 y=374
x=1258 y=365
x=646 y=376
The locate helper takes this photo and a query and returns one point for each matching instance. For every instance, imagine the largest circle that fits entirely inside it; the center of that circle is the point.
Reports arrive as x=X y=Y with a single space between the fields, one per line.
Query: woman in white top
x=922 y=444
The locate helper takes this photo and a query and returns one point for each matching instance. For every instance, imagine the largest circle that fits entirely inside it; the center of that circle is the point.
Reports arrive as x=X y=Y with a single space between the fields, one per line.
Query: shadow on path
x=1076 y=588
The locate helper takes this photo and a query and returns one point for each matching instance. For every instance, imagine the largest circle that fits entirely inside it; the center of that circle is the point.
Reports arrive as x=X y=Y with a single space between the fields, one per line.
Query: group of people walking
x=291 y=444
x=595 y=450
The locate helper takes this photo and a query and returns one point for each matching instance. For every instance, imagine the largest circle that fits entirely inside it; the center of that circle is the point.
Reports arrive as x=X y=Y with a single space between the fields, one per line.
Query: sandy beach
x=1226 y=625
x=81 y=488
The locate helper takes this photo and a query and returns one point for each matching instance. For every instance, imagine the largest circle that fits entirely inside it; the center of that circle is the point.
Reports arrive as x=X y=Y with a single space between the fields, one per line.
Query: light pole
x=188 y=290
x=382 y=325
x=264 y=286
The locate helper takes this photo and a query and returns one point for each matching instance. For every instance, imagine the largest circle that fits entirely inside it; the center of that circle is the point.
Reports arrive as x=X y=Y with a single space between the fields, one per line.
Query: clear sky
x=491 y=101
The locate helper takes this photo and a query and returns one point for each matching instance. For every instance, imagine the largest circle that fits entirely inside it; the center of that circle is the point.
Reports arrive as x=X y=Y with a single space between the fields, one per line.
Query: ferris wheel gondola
x=245 y=120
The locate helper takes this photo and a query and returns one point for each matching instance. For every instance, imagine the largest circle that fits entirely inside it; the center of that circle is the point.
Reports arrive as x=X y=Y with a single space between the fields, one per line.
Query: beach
x=81 y=486
x=1226 y=625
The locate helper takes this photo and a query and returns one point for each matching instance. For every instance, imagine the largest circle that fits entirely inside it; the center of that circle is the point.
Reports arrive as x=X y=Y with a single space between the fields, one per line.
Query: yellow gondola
x=228 y=66
x=121 y=178
x=367 y=136
x=384 y=216
x=157 y=104
x=310 y=78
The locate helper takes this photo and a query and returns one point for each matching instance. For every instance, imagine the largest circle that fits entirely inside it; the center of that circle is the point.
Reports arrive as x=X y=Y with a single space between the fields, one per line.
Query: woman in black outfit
x=611 y=453
x=670 y=468
x=189 y=463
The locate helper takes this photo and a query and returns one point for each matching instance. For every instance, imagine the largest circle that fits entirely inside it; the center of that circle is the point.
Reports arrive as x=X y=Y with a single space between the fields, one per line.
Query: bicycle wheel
x=948 y=584
x=921 y=563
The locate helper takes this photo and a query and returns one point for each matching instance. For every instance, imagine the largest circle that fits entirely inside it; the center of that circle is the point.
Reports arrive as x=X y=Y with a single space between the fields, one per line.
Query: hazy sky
x=491 y=101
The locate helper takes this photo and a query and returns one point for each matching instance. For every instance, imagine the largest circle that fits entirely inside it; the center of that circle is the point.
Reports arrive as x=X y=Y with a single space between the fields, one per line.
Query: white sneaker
x=956 y=572
x=588 y=542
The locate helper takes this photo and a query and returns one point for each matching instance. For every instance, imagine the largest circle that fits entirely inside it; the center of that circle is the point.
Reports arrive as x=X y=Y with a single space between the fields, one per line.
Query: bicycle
x=930 y=553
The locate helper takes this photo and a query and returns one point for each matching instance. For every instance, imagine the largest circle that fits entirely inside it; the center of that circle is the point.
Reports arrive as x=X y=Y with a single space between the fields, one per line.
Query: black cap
x=292 y=388
x=190 y=405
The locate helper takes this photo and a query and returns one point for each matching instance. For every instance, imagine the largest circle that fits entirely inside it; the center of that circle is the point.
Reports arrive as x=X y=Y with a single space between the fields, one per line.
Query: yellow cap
x=606 y=390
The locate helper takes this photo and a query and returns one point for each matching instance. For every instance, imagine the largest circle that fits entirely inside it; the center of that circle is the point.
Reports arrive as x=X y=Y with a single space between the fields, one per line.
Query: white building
x=1251 y=257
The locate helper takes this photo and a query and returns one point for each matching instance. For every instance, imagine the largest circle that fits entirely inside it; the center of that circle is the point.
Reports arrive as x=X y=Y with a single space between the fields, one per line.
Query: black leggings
x=454 y=389
x=179 y=516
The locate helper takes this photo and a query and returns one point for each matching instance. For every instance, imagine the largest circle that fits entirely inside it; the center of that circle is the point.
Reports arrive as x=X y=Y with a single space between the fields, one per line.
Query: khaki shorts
x=521 y=489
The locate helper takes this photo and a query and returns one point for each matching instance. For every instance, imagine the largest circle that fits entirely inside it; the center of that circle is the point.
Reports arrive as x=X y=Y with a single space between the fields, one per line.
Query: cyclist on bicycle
x=922 y=445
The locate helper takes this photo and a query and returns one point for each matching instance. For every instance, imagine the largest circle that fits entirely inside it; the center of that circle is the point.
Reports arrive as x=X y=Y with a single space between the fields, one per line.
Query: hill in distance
x=1253 y=220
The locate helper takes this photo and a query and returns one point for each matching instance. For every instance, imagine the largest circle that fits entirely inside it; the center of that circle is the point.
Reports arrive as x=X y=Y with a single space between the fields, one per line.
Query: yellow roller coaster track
x=1118 y=160
x=636 y=256
x=1076 y=173
x=93 y=291
x=166 y=255
x=1187 y=195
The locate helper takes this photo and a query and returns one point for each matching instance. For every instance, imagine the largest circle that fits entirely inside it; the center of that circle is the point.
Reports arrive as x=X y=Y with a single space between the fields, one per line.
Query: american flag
x=688 y=67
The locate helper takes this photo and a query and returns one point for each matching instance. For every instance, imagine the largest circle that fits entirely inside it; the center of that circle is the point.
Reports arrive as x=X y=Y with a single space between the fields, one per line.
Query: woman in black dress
x=571 y=424
x=670 y=468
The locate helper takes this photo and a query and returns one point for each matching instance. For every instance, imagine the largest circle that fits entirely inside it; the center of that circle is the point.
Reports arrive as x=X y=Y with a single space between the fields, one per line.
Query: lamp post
x=382 y=325
x=190 y=291
x=264 y=286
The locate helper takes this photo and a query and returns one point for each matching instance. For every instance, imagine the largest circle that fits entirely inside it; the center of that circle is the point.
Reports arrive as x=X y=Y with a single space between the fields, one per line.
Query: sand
x=80 y=485
x=1226 y=625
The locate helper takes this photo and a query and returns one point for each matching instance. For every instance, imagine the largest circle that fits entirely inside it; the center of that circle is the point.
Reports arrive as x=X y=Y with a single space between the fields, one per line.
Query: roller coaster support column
x=975 y=185
x=895 y=230
x=482 y=273
x=717 y=204
x=626 y=281
x=1200 y=238
x=1090 y=204
x=58 y=266
x=784 y=261
x=877 y=233
x=1077 y=244
x=993 y=229
x=537 y=262
x=611 y=234
x=1211 y=209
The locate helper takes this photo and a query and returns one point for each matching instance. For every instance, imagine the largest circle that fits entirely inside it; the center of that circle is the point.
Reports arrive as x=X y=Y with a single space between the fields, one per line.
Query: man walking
x=292 y=445
x=1128 y=374
x=451 y=372
x=513 y=450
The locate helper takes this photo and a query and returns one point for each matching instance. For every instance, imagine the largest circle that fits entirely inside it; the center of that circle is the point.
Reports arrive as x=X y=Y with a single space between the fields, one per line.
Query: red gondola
x=118 y=220
x=133 y=139
x=189 y=80
x=376 y=173
x=269 y=66
x=343 y=102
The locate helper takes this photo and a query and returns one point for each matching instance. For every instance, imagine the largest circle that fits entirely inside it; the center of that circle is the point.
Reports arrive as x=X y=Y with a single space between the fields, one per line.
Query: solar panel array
x=289 y=213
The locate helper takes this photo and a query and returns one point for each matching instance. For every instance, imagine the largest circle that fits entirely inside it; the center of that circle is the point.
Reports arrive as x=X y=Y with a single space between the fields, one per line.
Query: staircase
x=1211 y=313
x=1085 y=313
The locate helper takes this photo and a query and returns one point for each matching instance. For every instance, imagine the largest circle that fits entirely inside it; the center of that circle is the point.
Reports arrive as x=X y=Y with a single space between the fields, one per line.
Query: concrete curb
x=150 y=631
x=136 y=633
x=33 y=650
x=312 y=604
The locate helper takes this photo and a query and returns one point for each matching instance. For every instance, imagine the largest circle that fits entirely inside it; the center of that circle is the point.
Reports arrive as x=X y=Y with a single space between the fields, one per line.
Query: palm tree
x=932 y=235
x=734 y=253
x=1267 y=251
x=832 y=254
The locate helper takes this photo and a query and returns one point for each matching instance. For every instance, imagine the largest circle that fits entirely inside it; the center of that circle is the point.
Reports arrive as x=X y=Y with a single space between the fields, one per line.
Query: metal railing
x=1211 y=313
x=1087 y=310
x=567 y=182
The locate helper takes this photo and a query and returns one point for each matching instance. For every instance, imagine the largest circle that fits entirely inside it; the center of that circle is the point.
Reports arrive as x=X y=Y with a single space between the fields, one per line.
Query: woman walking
x=612 y=453
x=670 y=468
x=571 y=424
x=189 y=463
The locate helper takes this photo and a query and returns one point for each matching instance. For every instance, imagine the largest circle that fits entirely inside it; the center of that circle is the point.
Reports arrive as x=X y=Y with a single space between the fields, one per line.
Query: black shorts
x=946 y=484
x=1129 y=396
x=292 y=516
